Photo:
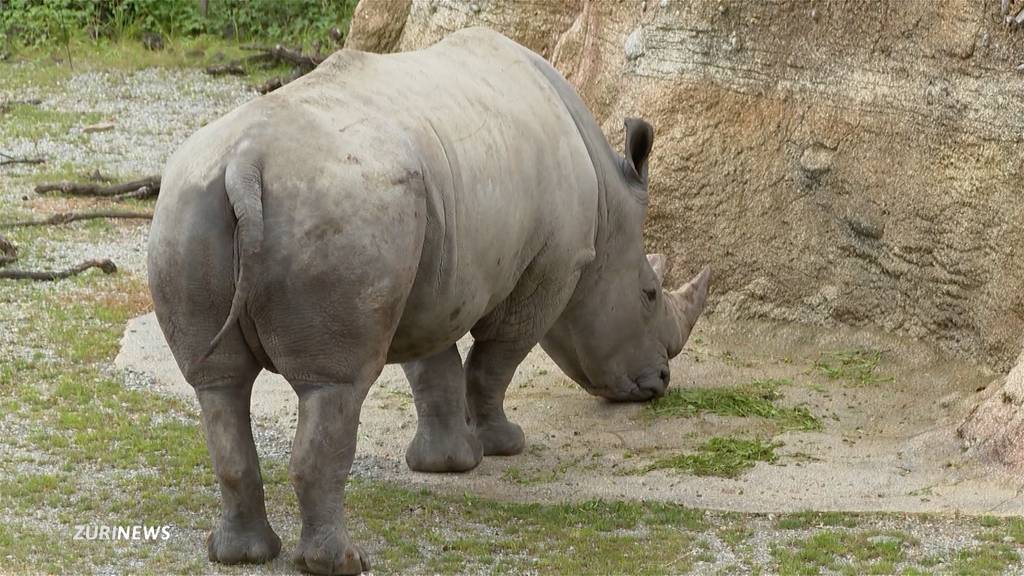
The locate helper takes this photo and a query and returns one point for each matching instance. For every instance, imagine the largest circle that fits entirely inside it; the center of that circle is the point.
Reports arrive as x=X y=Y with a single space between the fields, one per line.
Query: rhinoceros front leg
x=489 y=370
x=243 y=534
x=443 y=441
x=325 y=445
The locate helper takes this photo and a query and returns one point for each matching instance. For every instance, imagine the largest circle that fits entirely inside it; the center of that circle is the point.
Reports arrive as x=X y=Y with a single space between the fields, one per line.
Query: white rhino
x=375 y=211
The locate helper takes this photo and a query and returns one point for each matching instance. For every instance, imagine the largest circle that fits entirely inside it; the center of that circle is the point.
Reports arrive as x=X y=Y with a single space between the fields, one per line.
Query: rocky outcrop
x=844 y=161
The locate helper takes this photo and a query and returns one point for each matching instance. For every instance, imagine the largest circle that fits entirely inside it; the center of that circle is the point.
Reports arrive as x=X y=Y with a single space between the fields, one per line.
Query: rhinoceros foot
x=501 y=438
x=237 y=542
x=453 y=451
x=328 y=552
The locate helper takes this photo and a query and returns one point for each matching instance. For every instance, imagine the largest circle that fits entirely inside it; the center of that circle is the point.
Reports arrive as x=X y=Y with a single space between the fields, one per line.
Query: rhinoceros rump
x=375 y=211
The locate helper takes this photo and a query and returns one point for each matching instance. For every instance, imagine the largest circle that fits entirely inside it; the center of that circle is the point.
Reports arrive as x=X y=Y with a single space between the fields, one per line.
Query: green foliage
x=844 y=552
x=810 y=519
x=726 y=457
x=989 y=558
x=857 y=367
x=38 y=22
x=754 y=399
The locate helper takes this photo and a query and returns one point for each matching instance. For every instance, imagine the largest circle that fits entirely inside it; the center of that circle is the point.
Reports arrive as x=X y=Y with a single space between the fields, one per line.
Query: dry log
x=67 y=217
x=9 y=161
x=6 y=159
x=107 y=266
x=141 y=193
x=6 y=105
x=231 y=68
x=150 y=183
x=304 y=62
x=275 y=83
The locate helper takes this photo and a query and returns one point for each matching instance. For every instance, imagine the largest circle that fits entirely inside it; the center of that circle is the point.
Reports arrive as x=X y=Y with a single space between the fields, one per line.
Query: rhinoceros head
x=622 y=327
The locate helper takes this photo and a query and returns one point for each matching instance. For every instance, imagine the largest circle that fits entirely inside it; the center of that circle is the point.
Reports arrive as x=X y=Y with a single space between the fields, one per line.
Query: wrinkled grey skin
x=375 y=211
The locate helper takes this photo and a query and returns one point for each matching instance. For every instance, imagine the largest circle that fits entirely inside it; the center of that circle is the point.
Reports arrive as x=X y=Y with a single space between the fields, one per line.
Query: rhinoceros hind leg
x=443 y=441
x=243 y=534
x=489 y=370
x=322 y=454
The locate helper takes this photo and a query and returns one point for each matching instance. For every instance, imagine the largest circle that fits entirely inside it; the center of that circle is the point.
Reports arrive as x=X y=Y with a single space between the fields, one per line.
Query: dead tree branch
x=275 y=83
x=229 y=69
x=68 y=217
x=107 y=266
x=304 y=62
x=7 y=159
x=269 y=55
x=6 y=105
x=148 y=186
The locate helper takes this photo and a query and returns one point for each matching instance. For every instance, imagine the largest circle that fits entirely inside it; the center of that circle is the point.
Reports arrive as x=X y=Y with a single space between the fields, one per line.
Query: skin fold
x=375 y=211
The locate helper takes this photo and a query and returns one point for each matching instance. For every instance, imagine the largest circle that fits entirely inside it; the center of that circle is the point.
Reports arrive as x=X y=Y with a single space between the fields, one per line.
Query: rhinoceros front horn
x=689 y=301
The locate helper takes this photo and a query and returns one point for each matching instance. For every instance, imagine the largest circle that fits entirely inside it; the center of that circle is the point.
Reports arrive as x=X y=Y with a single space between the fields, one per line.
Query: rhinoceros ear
x=639 y=139
x=657 y=261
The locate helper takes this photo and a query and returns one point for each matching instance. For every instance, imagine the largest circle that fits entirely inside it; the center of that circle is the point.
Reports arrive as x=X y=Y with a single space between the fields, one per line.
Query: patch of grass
x=579 y=538
x=804 y=520
x=755 y=399
x=734 y=536
x=522 y=477
x=857 y=367
x=37 y=122
x=871 y=552
x=1008 y=530
x=45 y=70
x=725 y=457
x=989 y=558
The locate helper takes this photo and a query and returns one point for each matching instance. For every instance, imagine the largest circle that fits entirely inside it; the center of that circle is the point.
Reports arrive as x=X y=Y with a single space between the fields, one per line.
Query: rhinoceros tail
x=243 y=181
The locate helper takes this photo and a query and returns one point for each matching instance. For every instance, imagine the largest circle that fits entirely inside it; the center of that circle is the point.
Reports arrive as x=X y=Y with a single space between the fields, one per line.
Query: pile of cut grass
x=724 y=457
x=755 y=399
x=858 y=366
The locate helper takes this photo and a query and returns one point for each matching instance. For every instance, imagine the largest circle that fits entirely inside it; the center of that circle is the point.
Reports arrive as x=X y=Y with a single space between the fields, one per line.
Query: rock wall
x=843 y=161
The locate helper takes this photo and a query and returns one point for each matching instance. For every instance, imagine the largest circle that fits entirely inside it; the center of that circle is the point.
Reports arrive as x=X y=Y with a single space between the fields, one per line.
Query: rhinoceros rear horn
x=689 y=301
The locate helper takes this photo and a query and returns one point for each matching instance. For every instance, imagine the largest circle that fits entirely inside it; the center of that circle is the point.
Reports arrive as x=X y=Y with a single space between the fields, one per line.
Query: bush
x=36 y=22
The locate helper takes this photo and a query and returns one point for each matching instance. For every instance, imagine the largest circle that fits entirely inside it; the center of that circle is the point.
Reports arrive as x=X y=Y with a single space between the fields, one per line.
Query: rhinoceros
x=375 y=211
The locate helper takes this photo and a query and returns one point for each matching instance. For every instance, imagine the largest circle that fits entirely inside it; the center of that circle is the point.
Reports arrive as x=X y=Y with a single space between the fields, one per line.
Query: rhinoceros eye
x=651 y=294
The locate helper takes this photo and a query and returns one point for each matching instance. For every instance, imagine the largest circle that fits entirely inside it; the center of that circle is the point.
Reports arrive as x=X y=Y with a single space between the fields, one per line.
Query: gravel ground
x=153 y=111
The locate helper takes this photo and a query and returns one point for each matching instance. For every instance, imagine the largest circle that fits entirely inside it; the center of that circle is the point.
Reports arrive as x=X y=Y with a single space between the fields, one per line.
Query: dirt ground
x=888 y=445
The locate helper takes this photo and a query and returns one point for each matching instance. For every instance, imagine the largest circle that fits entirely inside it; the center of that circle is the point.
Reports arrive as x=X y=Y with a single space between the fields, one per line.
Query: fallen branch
x=7 y=159
x=229 y=69
x=68 y=217
x=277 y=54
x=107 y=266
x=304 y=62
x=275 y=83
x=6 y=105
x=149 y=184
x=141 y=193
x=10 y=161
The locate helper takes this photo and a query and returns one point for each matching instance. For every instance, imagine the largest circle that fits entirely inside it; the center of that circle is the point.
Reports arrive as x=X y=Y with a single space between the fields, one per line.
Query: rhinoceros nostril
x=665 y=375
